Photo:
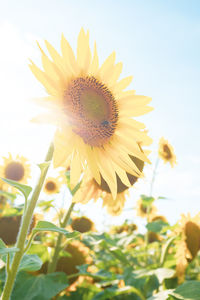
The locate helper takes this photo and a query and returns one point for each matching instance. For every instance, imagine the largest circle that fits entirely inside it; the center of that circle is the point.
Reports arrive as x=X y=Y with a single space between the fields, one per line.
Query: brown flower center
x=82 y=224
x=14 y=171
x=192 y=232
x=121 y=187
x=167 y=152
x=91 y=109
x=50 y=186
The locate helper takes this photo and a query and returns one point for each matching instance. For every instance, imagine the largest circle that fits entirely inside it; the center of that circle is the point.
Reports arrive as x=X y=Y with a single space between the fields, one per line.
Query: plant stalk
x=53 y=263
x=21 y=239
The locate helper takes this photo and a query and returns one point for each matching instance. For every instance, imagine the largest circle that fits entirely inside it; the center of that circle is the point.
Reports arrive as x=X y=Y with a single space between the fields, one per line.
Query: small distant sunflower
x=166 y=152
x=153 y=237
x=17 y=169
x=189 y=243
x=154 y=218
x=9 y=228
x=142 y=210
x=129 y=228
x=90 y=189
x=52 y=185
x=79 y=254
x=93 y=112
x=82 y=224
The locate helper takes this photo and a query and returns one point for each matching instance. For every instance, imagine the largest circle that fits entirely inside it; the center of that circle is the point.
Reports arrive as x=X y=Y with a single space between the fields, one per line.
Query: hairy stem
x=26 y=220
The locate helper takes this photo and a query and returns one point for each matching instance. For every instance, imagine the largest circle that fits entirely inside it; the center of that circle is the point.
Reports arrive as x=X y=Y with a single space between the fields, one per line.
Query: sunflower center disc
x=50 y=186
x=14 y=171
x=91 y=109
x=167 y=152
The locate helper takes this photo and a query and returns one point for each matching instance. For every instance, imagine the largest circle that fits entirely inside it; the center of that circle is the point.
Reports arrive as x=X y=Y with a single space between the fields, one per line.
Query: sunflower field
x=49 y=247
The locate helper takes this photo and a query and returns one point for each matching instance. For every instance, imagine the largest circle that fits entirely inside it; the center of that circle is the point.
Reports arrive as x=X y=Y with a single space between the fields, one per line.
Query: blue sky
x=158 y=43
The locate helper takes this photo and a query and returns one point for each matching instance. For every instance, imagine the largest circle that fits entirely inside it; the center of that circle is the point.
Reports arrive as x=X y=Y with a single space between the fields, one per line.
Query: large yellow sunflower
x=17 y=168
x=90 y=189
x=52 y=185
x=93 y=112
x=166 y=152
x=189 y=243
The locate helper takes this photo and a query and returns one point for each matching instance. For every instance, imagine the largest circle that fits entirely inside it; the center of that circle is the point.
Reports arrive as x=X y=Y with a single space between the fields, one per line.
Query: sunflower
x=52 y=185
x=142 y=210
x=90 y=189
x=154 y=218
x=79 y=254
x=9 y=228
x=129 y=228
x=189 y=243
x=166 y=152
x=93 y=113
x=17 y=169
x=82 y=224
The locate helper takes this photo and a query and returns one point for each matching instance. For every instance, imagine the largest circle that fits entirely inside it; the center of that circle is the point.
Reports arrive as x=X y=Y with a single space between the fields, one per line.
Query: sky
x=159 y=44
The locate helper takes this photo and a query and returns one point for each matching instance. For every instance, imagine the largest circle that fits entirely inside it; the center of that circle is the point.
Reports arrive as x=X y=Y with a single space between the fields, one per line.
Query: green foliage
x=24 y=189
x=48 y=226
x=41 y=287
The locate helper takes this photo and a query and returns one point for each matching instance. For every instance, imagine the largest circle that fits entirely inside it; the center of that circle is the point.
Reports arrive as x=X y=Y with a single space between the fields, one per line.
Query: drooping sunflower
x=52 y=185
x=189 y=243
x=82 y=224
x=90 y=189
x=142 y=210
x=166 y=152
x=17 y=168
x=93 y=112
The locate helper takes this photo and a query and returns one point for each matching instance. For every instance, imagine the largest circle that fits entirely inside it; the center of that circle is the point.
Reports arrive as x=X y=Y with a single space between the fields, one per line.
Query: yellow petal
x=56 y=57
x=107 y=172
x=68 y=56
x=94 y=63
x=117 y=69
x=136 y=112
x=63 y=146
x=75 y=170
x=133 y=101
x=92 y=163
x=122 y=84
x=83 y=51
x=107 y=66
x=51 y=87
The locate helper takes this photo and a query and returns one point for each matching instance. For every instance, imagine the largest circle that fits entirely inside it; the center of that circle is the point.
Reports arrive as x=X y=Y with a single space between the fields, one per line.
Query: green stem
x=26 y=220
x=53 y=263
x=154 y=176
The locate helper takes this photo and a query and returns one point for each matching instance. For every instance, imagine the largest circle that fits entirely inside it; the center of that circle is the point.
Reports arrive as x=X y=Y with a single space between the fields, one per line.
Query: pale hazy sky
x=158 y=42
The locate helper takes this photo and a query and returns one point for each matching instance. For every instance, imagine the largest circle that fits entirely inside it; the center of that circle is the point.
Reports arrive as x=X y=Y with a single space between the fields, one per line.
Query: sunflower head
x=153 y=237
x=52 y=185
x=188 y=244
x=9 y=228
x=93 y=112
x=82 y=224
x=144 y=210
x=129 y=228
x=166 y=152
x=17 y=169
x=158 y=218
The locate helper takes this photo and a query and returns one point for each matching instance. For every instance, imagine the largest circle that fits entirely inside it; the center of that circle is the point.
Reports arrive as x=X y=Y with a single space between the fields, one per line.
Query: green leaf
x=43 y=166
x=156 y=226
x=161 y=296
x=24 y=189
x=189 y=290
x=48 y=226
x=4 y=250
x=146 y=200
x=165 y=250
x=8 y=195
x=30 y=263
x=41 y=287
